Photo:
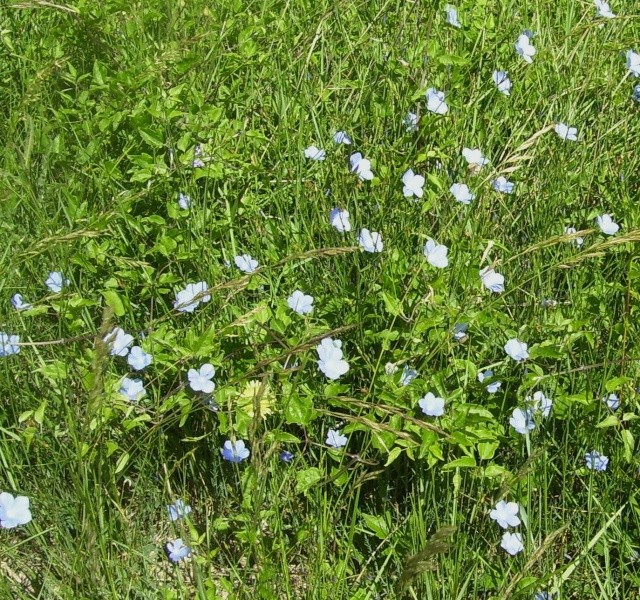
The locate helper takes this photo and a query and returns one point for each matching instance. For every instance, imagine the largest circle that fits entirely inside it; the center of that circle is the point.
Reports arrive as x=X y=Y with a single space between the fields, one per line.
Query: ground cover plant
x=319 y=300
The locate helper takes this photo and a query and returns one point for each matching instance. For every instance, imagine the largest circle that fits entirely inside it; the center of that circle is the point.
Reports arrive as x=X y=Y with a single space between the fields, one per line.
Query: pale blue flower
x=138 y=359
x=361 y=166
x=330 y=358
x=540 y=403
x=188 y=299
x=596 y=461
x=493 y=281
x=524 y=47
x=407 y=376
x=339 y=219
x=542 y=596
x=18 y=302
x=436 y=103
x=502 y=81
x=607 y=225
x=118 y=342
x=300 y=302
x=234 y=452
x=578 y=241
x=492 y=387
x=452 y=15
x=436 y=254
x=633 y=62
x=501 y=184
x=177 y=551
x=246 y=263
x=474 y=157
x=636 y=93
x=412 y=184
x=522 y=421
x=341 y=137
x=512 y=543
x=461 y=193
x=201 y=380
x=516 y=349
x=566 y=133
x=315 y=153
x=603 y=9
x=370 y=241
x=612 y=401
x=184 y=201
x=14 y=511
x=56 y=281
x=431 y=405
x=335 y=439
x=9 y=344
x=410 y=122
x=460 y=332
x=506 y=514
x=132 y=389
x=178 y=510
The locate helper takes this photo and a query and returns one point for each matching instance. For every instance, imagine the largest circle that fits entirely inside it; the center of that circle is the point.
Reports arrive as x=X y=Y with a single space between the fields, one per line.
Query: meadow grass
x=103 y=107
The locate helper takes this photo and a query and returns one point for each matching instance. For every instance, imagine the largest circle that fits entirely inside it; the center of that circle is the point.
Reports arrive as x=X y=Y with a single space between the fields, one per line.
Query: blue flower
x=177 y=551
x=407 y=376
x=335 y=439
x=14 y=511
x=118 y=342
x=596 y=461
x=132 y=389
x=178 y=510
x=138 y=359
x=19 y=303
x=9 y=344
x=188 y=299
x=286 y=456
x=234 y=453
x=56 y=281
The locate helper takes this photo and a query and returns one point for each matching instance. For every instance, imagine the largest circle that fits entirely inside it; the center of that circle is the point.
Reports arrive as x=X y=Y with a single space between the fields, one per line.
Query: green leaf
x=377 y=524
x=38 y=416
x=629 y=444
x=610 y=421
x=616 y=383
x=307 y=478
x=114 y=301
x=299 y=410
x=395 y=452
x=122 y=462
x=465 y=462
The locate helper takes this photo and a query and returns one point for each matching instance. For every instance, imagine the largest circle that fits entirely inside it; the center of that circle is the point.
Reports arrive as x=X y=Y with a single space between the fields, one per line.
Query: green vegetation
x=106 y=106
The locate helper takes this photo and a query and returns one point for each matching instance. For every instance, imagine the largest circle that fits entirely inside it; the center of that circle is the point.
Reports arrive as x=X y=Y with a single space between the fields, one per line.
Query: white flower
x=335 y=439
x=300 y=302
x=436 y=254
x=190 y=297
x=452 y=15
x=118 y=342
x=431 y=405
x=607 y=224
x=339 y=219
x=18 y=302
x=474 y=157
x=633 y=62
x=522 y=421
x=138 y=359
x=330 y=358
x=566 y=132
x=540 y=403
x=132 y=389
x=461 y=193
x=14 y=511
x=390 y=368
x=361 y=166
x=408 y=375
x=410 y=122
x=512 y=543
x=502 y=81
x=491 y=280
x=524 y=48
x=56 y=281
x=436 y=103
x=201 y=380
x=341 y=137
x=516 y=349
x=246 y=263
x=370 y=241
x=9 y=344
x=506 y=514
x=184 y=201
x=501 y=184
x=315 y=153
x=413 y=184
x=604 y=10
x=612 y=401
x=571 y=230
